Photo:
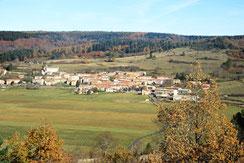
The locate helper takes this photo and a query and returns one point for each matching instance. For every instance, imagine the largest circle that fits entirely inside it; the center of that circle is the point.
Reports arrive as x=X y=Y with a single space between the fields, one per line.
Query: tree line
x=120 y=44
x=11 y=35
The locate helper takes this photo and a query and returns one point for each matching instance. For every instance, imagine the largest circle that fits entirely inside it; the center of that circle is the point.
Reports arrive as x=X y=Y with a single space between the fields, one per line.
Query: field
x=78 y=119
x=210 y=61
x=231 y=87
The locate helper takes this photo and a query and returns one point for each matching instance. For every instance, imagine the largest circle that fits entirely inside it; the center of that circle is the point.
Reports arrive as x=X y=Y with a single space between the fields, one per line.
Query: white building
x=10 y=81
x=38 y=81
x=2 y=82
x=184 y=98
x=49 y=70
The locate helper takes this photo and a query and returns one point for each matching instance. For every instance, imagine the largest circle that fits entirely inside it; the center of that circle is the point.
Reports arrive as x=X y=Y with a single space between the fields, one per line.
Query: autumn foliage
x=41 y=144
x=193 y=131
x=120 y=154
x=3 y=152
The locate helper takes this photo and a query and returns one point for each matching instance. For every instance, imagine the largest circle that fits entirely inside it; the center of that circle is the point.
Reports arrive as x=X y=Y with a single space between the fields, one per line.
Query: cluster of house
x=118 y=81
x=10 y=81
x=104 y=81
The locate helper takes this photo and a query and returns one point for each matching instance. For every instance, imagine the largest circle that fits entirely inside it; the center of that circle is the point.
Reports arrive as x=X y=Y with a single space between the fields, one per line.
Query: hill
x=25 y=46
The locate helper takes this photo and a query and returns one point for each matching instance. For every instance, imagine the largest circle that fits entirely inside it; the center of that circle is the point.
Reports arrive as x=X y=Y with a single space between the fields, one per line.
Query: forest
x=60 y=45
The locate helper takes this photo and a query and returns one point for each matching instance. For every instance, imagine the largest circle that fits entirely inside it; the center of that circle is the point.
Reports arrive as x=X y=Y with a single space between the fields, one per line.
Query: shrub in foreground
x=41 y=144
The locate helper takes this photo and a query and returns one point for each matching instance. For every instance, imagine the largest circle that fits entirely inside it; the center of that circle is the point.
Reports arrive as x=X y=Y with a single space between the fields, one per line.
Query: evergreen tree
x=148 y=149
x=77 y=83
x=10 y=67
x=238 y=120
x=151 y=56
x=227 y=65
x=89 y=92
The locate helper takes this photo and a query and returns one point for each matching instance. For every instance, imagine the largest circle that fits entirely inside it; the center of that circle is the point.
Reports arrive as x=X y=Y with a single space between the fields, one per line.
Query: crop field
x=78 y=119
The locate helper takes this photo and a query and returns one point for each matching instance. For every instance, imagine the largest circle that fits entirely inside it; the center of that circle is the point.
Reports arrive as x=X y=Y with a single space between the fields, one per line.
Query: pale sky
x=190 y=17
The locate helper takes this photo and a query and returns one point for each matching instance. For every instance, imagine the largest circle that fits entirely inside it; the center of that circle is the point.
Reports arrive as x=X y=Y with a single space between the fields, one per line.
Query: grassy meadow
x=161 y=61
x=231 y=87
x=78 y=119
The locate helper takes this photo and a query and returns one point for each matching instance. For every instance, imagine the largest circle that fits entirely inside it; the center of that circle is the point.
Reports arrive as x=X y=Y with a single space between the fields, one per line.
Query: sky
x=187 y=17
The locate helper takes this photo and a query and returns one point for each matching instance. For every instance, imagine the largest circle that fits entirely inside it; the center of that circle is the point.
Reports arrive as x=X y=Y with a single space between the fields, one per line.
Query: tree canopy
x=192 y=129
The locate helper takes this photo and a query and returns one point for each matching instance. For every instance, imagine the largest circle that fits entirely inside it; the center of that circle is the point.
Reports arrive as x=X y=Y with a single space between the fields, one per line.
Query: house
x=146 y=92
x=51 y=81
x=65 y=75
x=71 y=82
x=38 y=81
x=205 y=86
x=162 y=93
x=82 y=91
x=74 y=77
x=144 y=77
x=184 y=98
x=164 y=77
x=14 y=81
x=38 y=77
x=85 y=87
x=165 y=92
x=3 y=72
x=63 y=80
x=158 y=81
x=21 y=76
x=49 y=70
x=109 y=89
x=184 y=91
x=151 y=87
x=2 y=82
x=176 y=81
x=138 y=73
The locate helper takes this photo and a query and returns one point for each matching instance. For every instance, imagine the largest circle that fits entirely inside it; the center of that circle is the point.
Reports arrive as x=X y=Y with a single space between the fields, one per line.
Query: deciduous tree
x=3 y=152
x=18 y=151
x=193 y=130
x=41 y=144
x=120 y=154
x=104 y=143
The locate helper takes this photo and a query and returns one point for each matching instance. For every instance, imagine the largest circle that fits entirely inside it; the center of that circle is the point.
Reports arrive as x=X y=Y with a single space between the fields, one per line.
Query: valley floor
x=79 y=119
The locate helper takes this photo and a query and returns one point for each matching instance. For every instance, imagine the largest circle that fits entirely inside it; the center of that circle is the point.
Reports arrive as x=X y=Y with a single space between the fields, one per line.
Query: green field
x=78 y=119
x=231 y=87
x=161 y=61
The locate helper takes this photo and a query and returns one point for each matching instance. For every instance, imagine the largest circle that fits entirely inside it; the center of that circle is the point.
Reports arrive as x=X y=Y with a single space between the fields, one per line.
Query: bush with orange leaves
x=41 y=144
x=193 y=131
x=120 y=154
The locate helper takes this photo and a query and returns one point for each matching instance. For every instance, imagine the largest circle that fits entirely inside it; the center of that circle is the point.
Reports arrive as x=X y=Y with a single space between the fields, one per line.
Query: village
x=162 y=87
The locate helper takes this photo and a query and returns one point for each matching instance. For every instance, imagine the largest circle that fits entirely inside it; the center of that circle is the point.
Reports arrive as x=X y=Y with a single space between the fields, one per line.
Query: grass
x=231 y=87
x=230 y=111
x=161 y=61
x=78 y=119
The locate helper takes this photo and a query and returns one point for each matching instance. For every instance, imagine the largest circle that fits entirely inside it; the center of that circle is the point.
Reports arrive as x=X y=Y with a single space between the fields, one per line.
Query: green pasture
x=231 y=87
x=78 y=119
x=161 y=61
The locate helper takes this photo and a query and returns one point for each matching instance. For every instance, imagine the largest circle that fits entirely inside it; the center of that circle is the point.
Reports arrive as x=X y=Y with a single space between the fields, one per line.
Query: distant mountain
x=30 y=45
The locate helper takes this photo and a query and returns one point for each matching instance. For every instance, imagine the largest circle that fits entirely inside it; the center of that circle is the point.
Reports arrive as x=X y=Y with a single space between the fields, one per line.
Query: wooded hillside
x=55 y=45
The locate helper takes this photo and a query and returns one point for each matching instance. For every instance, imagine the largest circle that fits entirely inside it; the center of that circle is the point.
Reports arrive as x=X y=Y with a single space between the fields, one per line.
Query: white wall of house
x=2 y=82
